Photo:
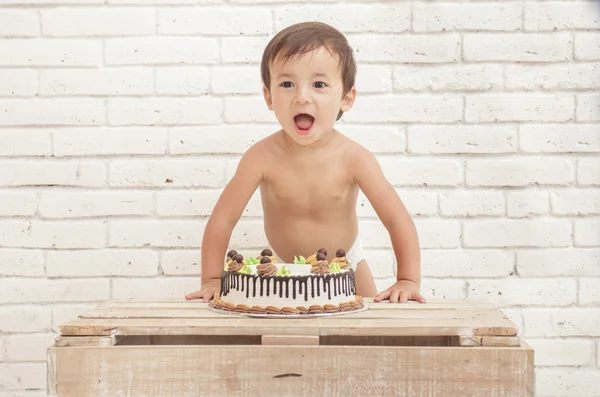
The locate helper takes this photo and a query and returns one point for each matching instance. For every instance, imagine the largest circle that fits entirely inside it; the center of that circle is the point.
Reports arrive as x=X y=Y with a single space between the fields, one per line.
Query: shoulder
x=354 y=152
x=358 y=159
x=258 y=150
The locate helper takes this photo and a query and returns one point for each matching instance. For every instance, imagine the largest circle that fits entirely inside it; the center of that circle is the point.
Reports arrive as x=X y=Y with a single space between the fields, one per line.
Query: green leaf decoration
x=283 y=271
x=335 y=268
x=246 y=270
x=251 y=261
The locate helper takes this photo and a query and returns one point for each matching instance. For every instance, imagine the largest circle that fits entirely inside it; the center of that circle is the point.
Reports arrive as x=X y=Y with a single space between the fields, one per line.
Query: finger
x=403 y=296
x=420 y=299
x=382 y=296
x=208 y=295
x=194 y=295
x=394 y=296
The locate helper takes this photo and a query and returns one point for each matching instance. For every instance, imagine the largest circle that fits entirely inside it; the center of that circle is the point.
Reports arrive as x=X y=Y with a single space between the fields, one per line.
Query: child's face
x=309 y=84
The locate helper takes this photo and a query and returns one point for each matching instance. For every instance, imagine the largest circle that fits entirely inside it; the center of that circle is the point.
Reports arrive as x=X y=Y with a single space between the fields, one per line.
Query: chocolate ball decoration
x=238 y=258
x=321 y=256
x=322 y=250
x=231 y=253
x=340 y=253
x=266 y=252
x=265 y=259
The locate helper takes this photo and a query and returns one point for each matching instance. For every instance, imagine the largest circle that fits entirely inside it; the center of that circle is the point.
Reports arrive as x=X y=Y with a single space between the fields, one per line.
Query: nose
x=302 y=95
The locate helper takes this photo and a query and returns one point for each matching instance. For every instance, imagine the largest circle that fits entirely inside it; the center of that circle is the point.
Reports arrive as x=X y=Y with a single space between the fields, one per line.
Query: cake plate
x=212 y=307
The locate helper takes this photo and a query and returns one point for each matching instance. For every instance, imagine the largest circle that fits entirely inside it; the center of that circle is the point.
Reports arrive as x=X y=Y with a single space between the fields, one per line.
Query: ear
x=268 y=99
x=348 y=100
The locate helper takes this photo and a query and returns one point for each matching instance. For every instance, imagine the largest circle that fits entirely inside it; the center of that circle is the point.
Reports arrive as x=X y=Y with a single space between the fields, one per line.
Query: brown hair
x=305 y=37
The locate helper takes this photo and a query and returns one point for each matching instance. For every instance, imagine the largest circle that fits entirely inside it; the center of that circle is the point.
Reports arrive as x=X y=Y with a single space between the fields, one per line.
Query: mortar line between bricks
x=412 y=15
x=523 y=14
x=39 y=20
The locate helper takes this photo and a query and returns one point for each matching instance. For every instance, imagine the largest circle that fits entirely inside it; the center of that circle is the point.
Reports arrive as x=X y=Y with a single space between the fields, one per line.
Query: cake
x=308 y=286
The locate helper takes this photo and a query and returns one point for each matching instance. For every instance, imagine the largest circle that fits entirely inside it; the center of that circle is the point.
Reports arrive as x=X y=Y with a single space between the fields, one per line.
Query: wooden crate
x=174 y=348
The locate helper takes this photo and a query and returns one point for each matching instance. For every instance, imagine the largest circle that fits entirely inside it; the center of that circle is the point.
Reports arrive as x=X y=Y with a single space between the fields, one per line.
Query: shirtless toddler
x=309 y=174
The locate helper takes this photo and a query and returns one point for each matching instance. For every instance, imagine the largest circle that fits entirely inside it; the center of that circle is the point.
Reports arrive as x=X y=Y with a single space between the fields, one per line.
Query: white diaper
x=354 y=255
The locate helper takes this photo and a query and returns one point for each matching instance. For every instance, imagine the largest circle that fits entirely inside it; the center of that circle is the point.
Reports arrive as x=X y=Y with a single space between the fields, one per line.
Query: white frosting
x=236 y=296
x=296 y=270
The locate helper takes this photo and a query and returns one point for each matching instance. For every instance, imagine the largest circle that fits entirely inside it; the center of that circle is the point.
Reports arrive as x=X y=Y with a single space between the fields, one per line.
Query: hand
x=208 y=291
x=402 y=291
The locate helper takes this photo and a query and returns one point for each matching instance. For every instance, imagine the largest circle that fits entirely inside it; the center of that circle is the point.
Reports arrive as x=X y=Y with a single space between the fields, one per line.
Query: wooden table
x=178 y=348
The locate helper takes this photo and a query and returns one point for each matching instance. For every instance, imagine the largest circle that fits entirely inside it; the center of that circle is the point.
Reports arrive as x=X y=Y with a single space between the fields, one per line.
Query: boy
x=308 y=173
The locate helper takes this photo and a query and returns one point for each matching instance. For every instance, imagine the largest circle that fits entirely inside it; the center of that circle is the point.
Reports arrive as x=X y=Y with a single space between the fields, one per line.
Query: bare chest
x=309 y=189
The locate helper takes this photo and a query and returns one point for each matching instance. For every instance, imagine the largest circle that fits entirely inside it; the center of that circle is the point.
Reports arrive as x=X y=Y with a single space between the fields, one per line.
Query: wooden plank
x=126 y=312
x=489 y=341
x=196 y=304
x=279 y=340
x=510 y=341
x=135 y=312
x=51 y=371
x=64 y=341
x=315 y=326
x=530 y=369
x=271 y=371
x=437 y=304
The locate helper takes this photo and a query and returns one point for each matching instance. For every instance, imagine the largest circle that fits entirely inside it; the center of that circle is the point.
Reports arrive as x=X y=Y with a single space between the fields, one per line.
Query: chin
x=303 y=140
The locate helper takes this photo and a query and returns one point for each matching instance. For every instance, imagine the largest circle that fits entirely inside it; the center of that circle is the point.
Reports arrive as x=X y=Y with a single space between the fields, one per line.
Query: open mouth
x=304 y=123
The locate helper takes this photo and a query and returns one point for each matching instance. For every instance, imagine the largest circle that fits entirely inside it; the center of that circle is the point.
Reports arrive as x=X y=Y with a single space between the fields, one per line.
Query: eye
x=286 y=84
x=320 y=84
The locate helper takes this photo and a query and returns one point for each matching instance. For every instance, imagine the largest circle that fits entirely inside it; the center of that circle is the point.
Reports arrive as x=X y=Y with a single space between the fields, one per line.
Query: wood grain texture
x=154 y=348
x=452 y=318
x=64 y=341
x=316 y=326
x=51 y=371
x=271 y=371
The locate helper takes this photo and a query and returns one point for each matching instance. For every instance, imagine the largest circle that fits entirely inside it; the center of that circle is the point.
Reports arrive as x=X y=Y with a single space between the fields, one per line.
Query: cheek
x=278 y=100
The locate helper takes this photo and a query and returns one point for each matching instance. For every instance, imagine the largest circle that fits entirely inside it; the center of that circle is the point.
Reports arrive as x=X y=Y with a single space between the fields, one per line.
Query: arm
x=224 y=217
x=396 y=219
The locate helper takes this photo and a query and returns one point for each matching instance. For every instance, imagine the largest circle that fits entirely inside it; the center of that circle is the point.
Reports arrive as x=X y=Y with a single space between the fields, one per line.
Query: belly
x=302 y=222
x=292 y=236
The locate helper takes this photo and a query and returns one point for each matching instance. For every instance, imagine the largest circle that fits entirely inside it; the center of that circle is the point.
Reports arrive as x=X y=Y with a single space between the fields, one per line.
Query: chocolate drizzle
x=335 y=284
x=319 y=287
x=268 y=280
x=305 y=290
x=262 y=280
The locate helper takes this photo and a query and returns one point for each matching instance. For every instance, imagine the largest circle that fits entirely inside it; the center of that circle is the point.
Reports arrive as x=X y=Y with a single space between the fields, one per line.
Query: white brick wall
x=122 y=120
